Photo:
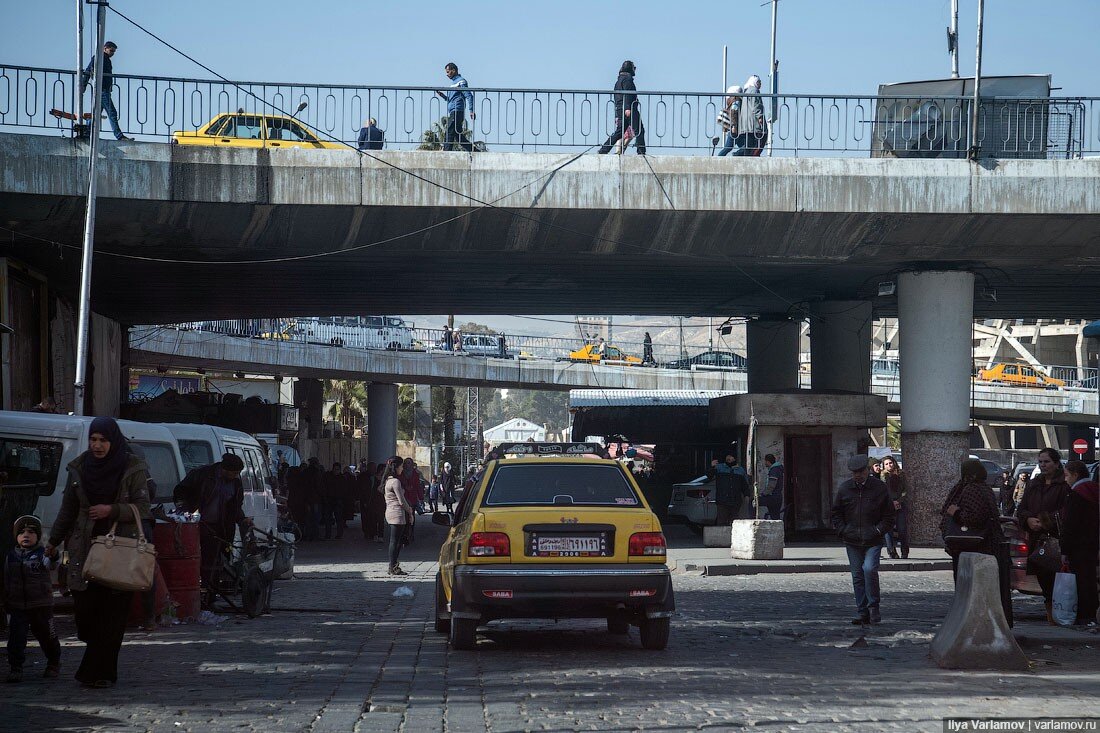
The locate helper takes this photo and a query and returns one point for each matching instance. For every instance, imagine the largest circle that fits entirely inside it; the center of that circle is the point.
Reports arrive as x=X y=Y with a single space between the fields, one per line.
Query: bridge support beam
x=840 y=345
x=773 y=354
x=381 y=421
x=936 y=311
x=309 y=397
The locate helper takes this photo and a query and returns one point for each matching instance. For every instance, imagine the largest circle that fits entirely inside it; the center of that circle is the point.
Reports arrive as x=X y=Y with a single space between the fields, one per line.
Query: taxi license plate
x=571 y=546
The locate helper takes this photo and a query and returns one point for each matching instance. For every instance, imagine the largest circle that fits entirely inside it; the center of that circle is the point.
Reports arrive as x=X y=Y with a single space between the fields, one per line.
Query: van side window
x=246 y=474
x=30 y=464
x=254 y=463
x=195 y=453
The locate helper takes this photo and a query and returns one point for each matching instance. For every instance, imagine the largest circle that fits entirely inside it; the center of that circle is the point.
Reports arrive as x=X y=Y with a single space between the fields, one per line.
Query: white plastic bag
x=1065 y=599
x=407 y=592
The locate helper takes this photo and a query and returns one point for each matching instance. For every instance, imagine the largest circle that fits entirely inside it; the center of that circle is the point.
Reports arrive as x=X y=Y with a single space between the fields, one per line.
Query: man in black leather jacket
x=862 y=514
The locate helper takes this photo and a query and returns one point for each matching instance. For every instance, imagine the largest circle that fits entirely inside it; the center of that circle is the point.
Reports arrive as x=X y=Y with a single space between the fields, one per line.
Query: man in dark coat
x=332 y=498
x=862 y=514
x=216 y=492
x=627 y=110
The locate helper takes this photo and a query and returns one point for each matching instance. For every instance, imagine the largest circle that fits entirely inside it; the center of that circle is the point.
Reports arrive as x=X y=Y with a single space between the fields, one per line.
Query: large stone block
x=975 y=634
x=756 y=539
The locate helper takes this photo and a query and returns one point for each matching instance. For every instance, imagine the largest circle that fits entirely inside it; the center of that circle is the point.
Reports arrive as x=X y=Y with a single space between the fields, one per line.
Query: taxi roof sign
x=550 y=449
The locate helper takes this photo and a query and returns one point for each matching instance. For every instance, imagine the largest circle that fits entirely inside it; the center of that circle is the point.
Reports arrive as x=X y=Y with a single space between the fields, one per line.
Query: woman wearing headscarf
x=972 y=504
x=1081 y=538
x=1040 y=511
x=102 y=482
x=398 y=511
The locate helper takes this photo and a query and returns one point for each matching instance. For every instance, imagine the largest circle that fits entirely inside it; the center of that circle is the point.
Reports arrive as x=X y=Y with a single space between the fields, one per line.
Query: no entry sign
x=1080 y=446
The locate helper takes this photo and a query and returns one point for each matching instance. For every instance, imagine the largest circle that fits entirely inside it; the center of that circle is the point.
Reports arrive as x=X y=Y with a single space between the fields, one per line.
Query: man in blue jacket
x=458 y=99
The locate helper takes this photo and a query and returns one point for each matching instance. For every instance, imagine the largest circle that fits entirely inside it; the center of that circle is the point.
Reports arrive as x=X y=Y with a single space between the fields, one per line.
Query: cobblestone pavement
x=341 y=653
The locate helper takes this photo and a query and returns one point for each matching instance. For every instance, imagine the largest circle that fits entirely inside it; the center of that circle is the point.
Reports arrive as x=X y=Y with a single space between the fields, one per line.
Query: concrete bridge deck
x=217 y=352
x=211 y=232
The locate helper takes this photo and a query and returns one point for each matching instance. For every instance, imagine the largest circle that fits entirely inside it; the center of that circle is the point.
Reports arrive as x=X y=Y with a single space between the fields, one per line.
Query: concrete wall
x=801 y=408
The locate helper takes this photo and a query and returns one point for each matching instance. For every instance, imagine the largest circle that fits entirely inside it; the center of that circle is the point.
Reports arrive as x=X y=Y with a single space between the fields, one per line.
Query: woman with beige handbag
x=105 y=492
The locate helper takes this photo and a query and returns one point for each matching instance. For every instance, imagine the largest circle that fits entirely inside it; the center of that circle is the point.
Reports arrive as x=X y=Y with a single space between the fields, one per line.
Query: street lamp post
x=89 y=219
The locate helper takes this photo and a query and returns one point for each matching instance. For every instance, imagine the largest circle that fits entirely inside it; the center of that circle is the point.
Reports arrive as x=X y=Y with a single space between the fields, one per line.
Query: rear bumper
x=562 y=591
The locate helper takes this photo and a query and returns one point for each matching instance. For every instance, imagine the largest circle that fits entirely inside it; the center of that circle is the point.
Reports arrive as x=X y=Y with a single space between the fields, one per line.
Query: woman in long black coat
x=1081 y=538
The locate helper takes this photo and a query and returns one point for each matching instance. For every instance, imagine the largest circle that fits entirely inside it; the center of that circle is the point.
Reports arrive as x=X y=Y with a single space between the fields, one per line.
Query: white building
x=515 y=430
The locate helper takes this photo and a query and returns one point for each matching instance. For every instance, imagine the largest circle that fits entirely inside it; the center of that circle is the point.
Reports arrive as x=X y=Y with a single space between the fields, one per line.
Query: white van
x=201 y=445
x=35 y=449
x=370 y=332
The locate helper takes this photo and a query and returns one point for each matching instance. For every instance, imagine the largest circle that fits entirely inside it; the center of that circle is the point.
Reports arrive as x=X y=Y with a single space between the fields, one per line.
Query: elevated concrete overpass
x=159 y=348
x=170 y=348
x=297 y=231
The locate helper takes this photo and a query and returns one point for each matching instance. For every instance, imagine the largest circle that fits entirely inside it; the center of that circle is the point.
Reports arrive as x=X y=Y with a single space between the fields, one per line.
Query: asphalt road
x=341 y=653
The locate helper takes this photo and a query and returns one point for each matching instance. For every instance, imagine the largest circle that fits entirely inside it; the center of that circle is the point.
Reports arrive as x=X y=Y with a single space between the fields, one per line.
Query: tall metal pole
x=79 y=106
x=89 y=221
x=953 y=39
x=773 y=72
x=725 y=68
x=977 y=84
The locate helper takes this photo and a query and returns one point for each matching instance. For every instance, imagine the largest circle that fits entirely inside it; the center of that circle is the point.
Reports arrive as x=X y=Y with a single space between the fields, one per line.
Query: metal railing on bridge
x=152 y=108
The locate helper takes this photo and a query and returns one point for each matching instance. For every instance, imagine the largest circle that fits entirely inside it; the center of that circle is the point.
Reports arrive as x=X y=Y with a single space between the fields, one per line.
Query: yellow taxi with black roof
x=553 y=531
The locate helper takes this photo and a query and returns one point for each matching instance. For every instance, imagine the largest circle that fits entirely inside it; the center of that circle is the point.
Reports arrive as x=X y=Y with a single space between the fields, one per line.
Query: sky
x=824 y=46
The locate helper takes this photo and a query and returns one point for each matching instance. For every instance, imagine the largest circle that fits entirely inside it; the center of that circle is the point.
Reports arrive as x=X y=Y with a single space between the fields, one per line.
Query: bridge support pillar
x=309 y=397
x=840 y=345
x=381 y=421
x=936 y=314
x=773 y=354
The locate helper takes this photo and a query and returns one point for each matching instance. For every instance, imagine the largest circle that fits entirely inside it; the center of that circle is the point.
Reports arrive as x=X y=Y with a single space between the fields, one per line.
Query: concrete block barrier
x=756 y=539
x=975 y=634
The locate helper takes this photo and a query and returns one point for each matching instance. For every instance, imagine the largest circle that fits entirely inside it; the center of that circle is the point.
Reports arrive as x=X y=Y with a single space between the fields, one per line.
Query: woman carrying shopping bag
x=106 y=490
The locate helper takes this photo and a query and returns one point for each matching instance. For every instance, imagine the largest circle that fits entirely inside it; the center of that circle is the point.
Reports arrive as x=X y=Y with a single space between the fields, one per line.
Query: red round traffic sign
x=1080 y=446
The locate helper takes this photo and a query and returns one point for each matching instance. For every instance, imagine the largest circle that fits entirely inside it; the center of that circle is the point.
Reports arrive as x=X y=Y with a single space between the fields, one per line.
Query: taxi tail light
x=646 y=544
x=490 y=544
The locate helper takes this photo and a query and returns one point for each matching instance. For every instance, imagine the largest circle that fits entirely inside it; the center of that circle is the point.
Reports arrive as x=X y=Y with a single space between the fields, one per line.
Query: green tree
x=349 y=400
x=434 y=137
x=540 y=407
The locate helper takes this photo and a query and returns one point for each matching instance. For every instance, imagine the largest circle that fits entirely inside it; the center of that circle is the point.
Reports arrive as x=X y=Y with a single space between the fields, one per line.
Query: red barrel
x=178 y=558
x=176 y=540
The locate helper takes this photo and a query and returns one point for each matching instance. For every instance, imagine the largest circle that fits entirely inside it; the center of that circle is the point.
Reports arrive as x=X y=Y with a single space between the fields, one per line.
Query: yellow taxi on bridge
x=251 y=130
x=553 y=533
x=1020 y=375
x=594 y=354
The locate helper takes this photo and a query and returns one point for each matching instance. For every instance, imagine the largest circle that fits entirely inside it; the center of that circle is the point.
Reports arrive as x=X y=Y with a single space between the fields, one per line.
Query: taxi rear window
x=559 y=485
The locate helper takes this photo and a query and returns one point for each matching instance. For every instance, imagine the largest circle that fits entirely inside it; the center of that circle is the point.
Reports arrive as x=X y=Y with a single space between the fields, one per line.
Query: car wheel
x=617 y=625
x=696 y=528
x=464 y=633
x=393 y=346
x=655 y=632
x=442 y=625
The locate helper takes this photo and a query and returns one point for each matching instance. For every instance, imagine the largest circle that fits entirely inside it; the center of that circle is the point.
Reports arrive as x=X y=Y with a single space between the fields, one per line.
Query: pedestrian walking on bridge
x=104 y=92
x=628 y=112
x=862 y=513
x=459 y=98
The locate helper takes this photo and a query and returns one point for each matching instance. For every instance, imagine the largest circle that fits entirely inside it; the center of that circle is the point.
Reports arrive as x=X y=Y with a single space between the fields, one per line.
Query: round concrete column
x=773 y=354
x=840 y=345
x=381 y=421
x=936 y=320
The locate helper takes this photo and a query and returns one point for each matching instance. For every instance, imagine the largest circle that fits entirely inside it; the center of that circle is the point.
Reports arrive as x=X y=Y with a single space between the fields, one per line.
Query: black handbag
x=959 y=538
x=1046 y=557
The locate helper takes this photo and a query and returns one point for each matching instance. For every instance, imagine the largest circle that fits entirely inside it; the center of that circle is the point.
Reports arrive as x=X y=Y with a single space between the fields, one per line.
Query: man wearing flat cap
x=216 y=492
x=862 y=514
